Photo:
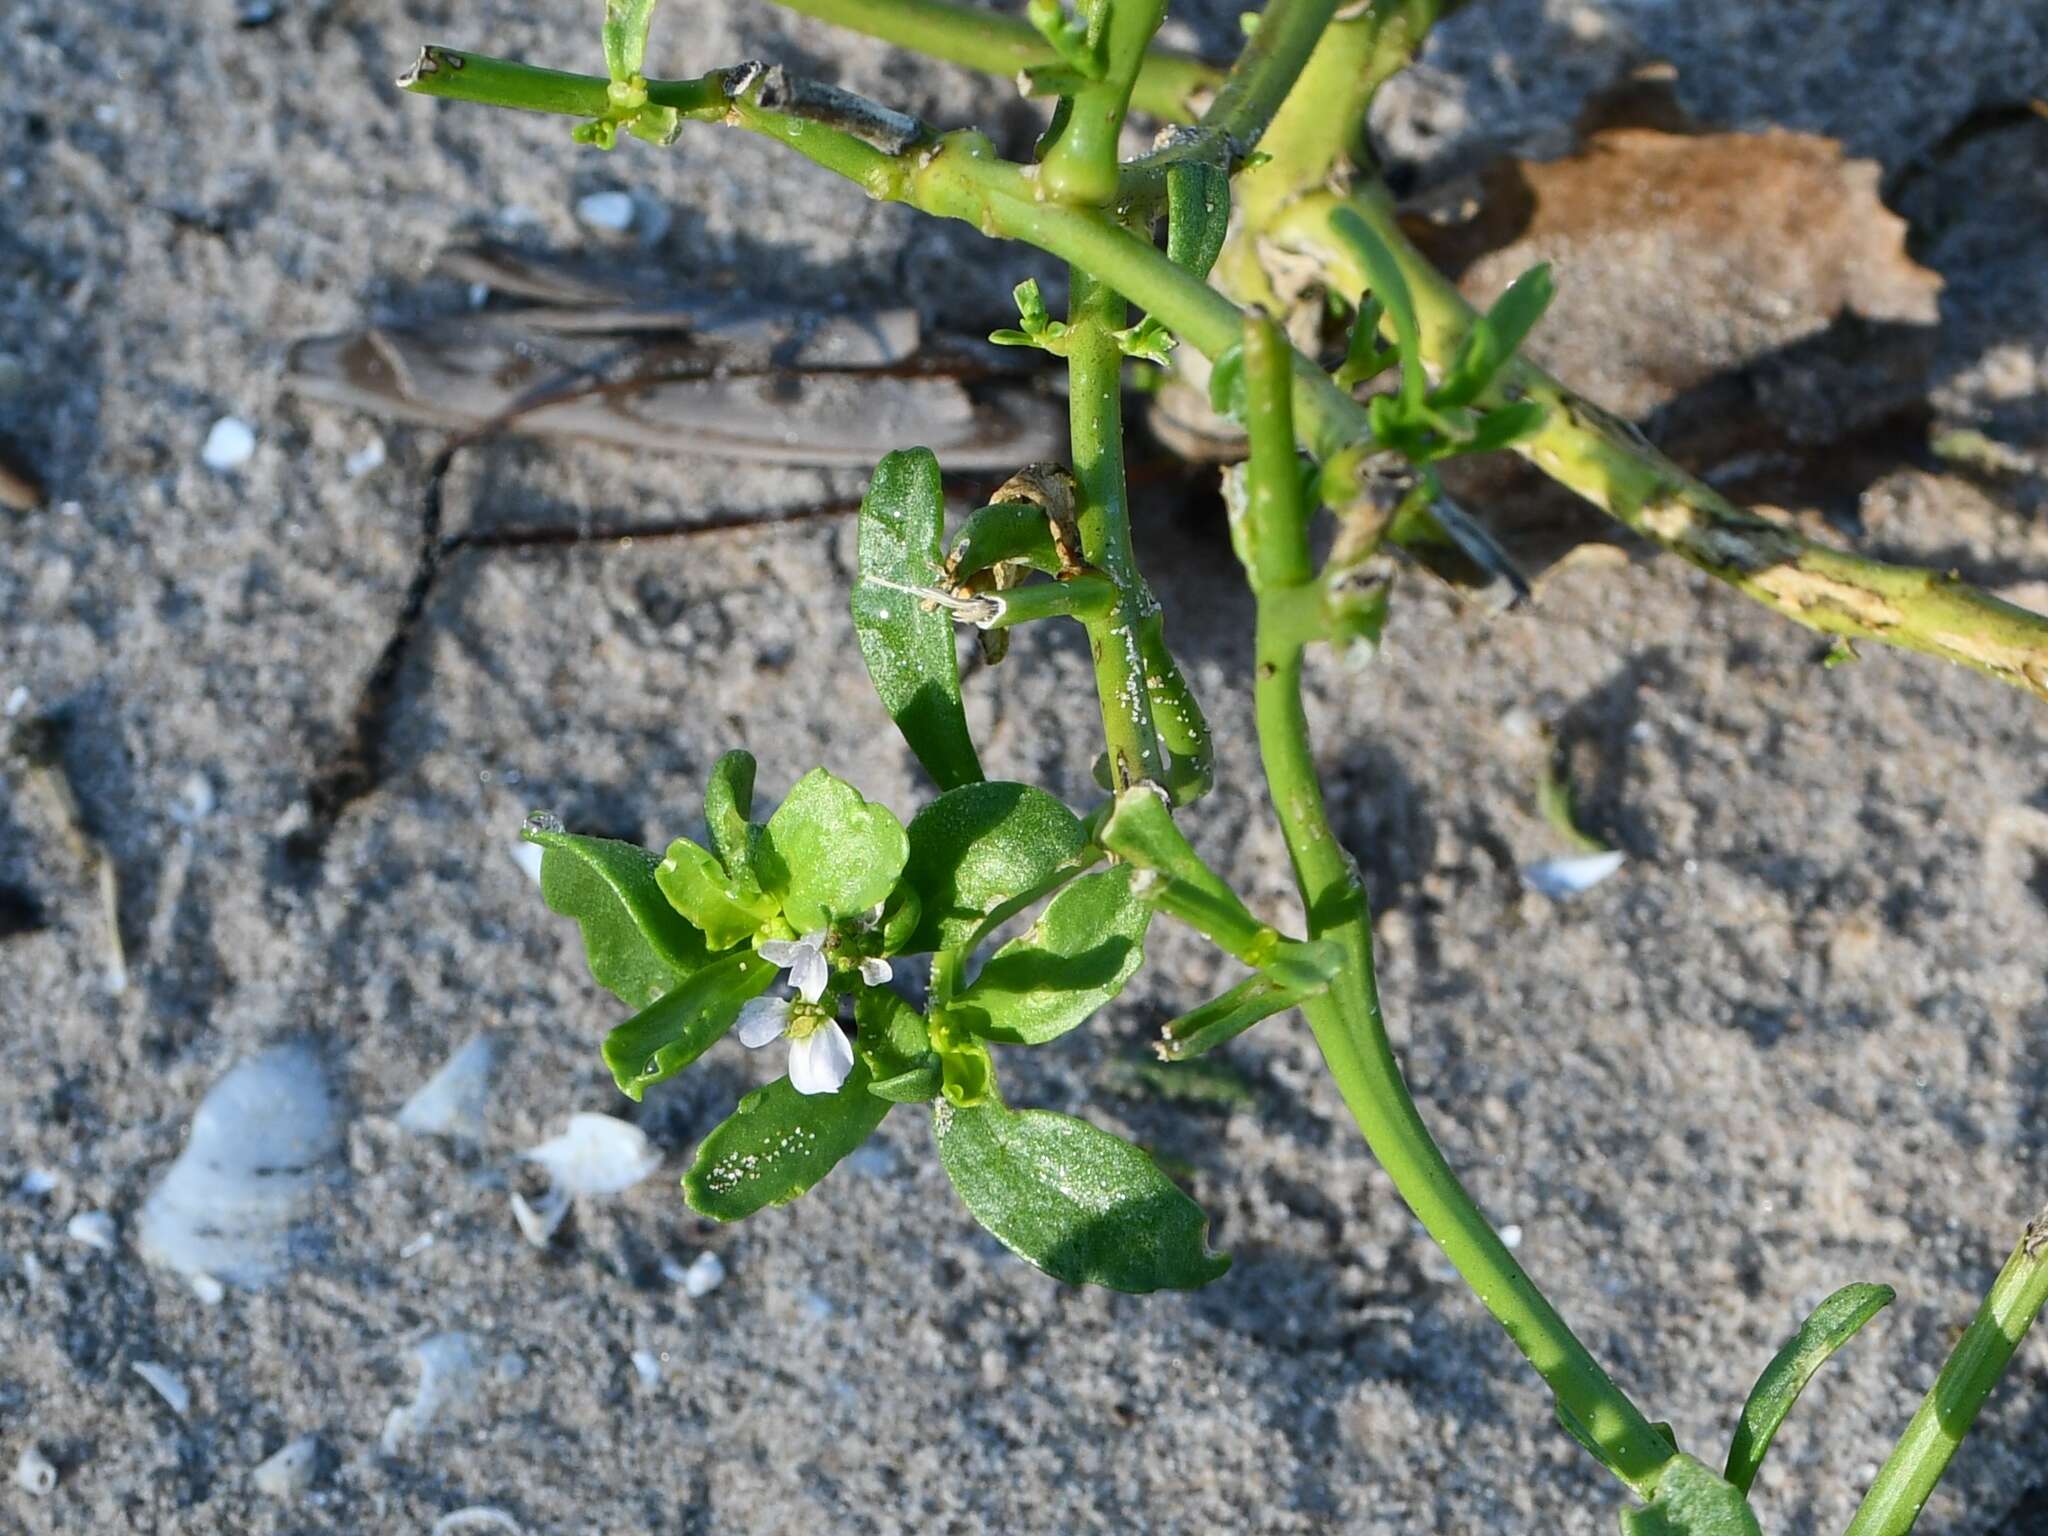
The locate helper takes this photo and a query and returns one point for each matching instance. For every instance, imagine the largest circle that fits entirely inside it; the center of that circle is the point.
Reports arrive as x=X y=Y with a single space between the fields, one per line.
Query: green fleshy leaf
x=1384 y=281
x=1505 y=427
x=827 y=854
x=1494 y=337
x=977 y=846
x=662 y=1039
x=1087 y=943
x=920 y=1085
x=625 y=36
x=1257 y=997
x=638 y=946
x=892 y=1038
x=1197 y=214
x=1833 y=1323
x=728 y=911
x=1692 y=1501
x=728 y=802
x=909 y=651
x=778 y=1144
x=1084 y=1206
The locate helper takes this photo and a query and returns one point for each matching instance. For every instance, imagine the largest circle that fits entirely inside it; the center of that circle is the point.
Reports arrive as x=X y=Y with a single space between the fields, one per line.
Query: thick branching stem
x=1974 y=1367
x=1346 y=1019
x=1168 y=85
x=1095 y=402
x=1609 y=463
x=959 y=176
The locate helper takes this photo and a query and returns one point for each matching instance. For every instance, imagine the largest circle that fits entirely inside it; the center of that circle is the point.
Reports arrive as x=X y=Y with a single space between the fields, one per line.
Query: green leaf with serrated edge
x=827 y=854
x=638 y=946
x=665 y=1037
x=700 y=888
x=977 y=846
x=1383 y=280
x=1258 y=996
x=1197 y=214
x=1692 y=1501
x=1832 y=1324
x=728 y=802
x=1142 y=832
x=778 y=1144
x=1494 y=337
x=1084 y=1206
x=909 y=649
x=1087 y=943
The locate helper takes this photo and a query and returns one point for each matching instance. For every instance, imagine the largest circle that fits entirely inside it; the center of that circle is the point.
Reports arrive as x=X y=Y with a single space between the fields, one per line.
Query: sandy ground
x=1797 y=1042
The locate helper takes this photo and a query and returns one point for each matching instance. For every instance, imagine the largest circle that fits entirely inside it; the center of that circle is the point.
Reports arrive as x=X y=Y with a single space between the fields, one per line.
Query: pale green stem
x=1168 y=84
x=1095 y=406
x=1979 y=1359
x=1346 y=1019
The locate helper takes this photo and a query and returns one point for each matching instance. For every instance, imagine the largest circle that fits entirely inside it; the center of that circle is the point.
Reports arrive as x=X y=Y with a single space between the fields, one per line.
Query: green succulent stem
x=1346 y=1019
x=1605 y=460
x=1167 y=84
x=1081 y=164
x=1974 y=1367
x=1095 y=312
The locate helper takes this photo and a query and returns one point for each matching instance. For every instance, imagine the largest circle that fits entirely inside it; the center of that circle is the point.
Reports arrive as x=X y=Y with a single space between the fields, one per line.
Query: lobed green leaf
x=1087 y=943
x=976 y=847
x=909 y=650
x=637 y=945
x=827 y=854
x=1832 y=1324
x=665 y=1037
x=1084 y=1206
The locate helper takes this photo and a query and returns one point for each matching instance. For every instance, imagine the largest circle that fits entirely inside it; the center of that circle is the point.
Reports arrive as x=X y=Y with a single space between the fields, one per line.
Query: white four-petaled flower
x=820 y=1055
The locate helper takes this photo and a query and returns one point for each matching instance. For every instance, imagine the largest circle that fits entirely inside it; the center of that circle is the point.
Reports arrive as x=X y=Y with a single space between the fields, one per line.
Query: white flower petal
x=761 y=1020
x=1560 y=879
x=819 y=1062
x=809 y=974
x=876 y=972
x=815 y=940
x=781 y=953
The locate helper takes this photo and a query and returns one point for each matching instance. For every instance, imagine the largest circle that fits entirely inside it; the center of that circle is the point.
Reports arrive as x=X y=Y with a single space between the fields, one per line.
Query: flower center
x=805 y=1020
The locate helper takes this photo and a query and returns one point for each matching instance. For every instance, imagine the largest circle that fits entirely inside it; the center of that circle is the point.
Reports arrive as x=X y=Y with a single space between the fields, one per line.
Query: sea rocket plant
x=1267 y=183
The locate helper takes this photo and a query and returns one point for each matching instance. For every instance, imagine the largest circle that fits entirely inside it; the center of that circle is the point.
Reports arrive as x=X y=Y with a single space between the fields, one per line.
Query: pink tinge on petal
x=819 y=1062
x=761 y=1020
